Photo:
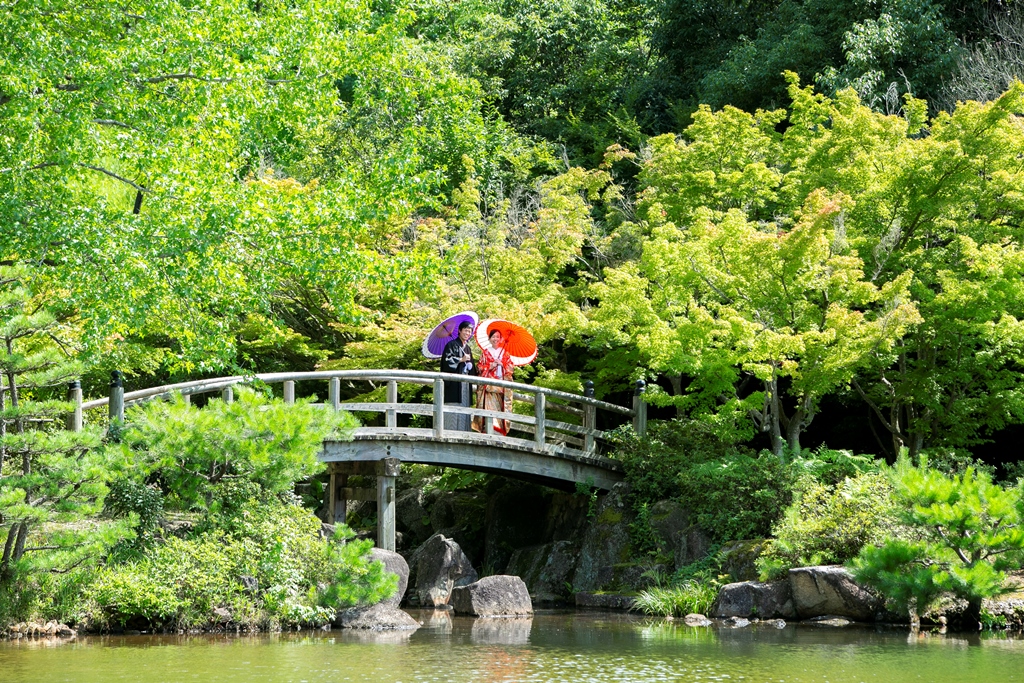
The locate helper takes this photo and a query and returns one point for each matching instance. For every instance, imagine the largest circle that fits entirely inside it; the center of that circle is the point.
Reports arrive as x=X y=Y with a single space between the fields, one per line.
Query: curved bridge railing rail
x=558 y=451
x=548 y=435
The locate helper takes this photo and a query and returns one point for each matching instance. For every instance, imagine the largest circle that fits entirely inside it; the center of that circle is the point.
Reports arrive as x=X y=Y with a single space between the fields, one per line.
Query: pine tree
x=964 y=528
x=47 y=474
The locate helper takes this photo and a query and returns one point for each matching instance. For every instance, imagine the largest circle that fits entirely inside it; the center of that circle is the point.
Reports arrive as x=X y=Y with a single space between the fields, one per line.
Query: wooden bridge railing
x=548 y=434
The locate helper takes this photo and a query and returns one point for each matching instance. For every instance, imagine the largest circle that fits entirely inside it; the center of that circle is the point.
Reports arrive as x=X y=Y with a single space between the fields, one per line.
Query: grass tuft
x=690 y=597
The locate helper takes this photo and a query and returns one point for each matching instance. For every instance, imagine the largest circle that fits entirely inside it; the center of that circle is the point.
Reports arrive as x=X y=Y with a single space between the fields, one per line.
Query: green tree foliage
x=48 y=476
x=965 y=527
x=991 y=65
x=571 y=71
x=730 y=492
x=520 y=257
x=779 y=306
x=736 y=52
x=853 y=250
x=178 y=168
x=253 y=439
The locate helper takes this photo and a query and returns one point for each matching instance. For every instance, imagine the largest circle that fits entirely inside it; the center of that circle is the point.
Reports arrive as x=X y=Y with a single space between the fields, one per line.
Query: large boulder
x=567 y=516
x=545 y=569
x=669 y=521
x=606 y=541
x=493 y=596
x=831 y=590
x=440 y=566
x=411 y=517
x=395 y=564
x=754 y=599
x=380 y=617
x=616 y=601
x=630 y=577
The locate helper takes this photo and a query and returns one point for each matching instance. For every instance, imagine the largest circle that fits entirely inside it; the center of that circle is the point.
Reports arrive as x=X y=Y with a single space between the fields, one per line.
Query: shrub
x=130 y=499
x=731 y=492
x=300 y=577
x=829 y=524
x=653 y=463
x=830 y=467
x=737 y=498
x=965 y=525
x=691 y=597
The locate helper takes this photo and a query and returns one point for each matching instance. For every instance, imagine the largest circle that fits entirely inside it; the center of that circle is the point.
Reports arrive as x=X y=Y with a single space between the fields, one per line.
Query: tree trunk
x=19 y=544
x=677 y=390
x=801 y=420
x=5 y=563
x=972 y=616
x=915 y=618
x=775 y=410
x=796 y=427
x=3 y=427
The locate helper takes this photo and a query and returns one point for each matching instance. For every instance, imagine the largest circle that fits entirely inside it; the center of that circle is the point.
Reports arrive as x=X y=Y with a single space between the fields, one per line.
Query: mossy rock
x=738 y=559
x=606 y=540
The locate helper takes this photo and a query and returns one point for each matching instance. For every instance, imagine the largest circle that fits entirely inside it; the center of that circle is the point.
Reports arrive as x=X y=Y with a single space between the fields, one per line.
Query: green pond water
x=553 y=646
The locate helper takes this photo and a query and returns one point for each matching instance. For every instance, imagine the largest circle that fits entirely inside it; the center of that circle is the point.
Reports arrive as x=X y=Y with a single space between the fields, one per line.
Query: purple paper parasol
x=433 y=345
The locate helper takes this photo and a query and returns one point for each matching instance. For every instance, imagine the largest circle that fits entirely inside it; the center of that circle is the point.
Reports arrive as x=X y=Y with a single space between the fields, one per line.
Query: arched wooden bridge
x=557 y=452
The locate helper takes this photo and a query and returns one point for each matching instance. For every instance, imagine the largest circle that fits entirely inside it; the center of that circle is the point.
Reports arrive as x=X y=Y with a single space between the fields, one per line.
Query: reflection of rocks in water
x=501 y=631
x=438 y=620
x=390 y=637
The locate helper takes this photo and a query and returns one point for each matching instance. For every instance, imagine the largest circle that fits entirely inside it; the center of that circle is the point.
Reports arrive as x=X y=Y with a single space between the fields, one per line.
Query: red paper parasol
x=433 y=345
x=519 y=343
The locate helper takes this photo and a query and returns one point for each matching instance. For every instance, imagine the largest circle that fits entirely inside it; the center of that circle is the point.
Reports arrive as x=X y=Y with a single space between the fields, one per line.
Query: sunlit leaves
x=161 y=163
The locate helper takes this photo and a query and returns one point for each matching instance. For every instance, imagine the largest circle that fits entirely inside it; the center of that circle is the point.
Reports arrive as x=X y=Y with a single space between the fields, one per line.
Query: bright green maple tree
x=927 y=217
x=730 y=298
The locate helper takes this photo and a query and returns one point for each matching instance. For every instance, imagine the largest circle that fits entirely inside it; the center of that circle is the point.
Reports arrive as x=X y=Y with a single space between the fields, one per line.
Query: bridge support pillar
x=337 y=503
x=387 y=474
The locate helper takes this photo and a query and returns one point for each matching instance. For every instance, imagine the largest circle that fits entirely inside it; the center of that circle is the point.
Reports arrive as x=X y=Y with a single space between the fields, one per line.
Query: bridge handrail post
x=74 y=421
x=334 y=393
x=438 y=408
x=228 y=394
x=640 y=409
x=115 y=408
x=391 y=416
x=289 y=391
x=539 y=410
x=589 y=419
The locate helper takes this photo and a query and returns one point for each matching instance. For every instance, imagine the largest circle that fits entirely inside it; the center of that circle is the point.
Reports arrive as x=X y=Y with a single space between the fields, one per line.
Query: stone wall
x=559 y=543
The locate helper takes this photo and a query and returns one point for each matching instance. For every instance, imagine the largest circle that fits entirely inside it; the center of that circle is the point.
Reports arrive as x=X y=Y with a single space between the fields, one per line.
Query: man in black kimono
x=457 y=358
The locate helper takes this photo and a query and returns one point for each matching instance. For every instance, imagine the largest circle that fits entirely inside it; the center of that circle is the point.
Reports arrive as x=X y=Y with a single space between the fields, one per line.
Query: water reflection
x=382 y=637
x=675 y=632
x=501 y=631
x=438 y=620
x=552 y=647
